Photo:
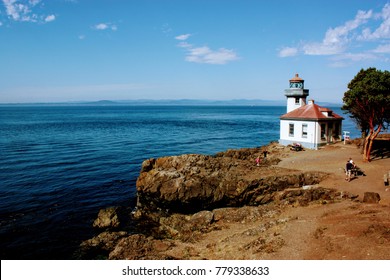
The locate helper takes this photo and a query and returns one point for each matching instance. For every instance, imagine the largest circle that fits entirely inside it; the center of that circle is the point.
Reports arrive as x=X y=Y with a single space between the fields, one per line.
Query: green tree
x=367 y=101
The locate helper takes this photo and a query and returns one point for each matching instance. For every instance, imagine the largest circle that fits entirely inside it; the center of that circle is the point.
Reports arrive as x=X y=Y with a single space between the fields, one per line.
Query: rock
x=107 y=218
x=191 y=183
x=304 y=196
x=242 y=214
x=182 y=198
x=140 y=247
x=202 y=218
x=105 y=240
x=185 y=227
x=147 y=165
x=371 y=197
x=100 y=245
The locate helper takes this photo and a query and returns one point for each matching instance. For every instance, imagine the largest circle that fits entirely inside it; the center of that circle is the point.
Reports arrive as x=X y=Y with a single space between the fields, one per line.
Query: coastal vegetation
x=367 y=101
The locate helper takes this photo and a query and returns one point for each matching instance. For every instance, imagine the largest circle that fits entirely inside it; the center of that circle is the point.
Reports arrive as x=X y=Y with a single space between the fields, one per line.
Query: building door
x=323 y=132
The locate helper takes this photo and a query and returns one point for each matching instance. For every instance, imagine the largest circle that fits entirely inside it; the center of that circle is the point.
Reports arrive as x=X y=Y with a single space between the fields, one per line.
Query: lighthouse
x=305 y=122
x=296 y=94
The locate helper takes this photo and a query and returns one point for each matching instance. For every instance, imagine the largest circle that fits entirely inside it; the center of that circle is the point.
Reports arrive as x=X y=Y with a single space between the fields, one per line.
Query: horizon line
x=161 y=101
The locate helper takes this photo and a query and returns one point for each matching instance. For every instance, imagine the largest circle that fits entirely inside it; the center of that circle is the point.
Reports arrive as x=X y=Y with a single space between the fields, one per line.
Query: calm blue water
x=60 y=165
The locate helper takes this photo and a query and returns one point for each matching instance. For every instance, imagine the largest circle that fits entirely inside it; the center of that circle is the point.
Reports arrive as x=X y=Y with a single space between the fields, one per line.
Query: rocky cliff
x=182 y=197
x=191 y=183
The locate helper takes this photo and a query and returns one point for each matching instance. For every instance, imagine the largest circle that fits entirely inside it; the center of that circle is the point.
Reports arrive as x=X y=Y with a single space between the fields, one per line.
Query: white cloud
x=355 y=56
x=166 y=28
x=383 y=31
x=347 y=43
x=208 y=56
x=323 y=49
x=382 y=49
x=288 y=51
x=25 y=11
x=17 y=11
x=50 y=18
x=346 y=59
x=184 y=45
x=183 y=37
x=34 y=2
x=105 y=26
x=204 y=54
x=336 y=39
x=101 y=26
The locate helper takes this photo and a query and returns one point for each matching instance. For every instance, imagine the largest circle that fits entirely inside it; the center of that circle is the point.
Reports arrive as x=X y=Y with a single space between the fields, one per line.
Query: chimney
x=311 y=102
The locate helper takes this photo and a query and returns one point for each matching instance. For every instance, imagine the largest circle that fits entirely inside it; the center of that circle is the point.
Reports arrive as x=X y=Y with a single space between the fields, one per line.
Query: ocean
x=60 y=164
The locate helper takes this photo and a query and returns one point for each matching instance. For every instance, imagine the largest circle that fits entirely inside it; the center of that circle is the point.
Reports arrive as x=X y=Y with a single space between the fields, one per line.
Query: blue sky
x=89 y=50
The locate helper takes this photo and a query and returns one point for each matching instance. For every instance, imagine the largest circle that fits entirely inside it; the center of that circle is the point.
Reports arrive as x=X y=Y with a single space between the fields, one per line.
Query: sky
x=90 y=50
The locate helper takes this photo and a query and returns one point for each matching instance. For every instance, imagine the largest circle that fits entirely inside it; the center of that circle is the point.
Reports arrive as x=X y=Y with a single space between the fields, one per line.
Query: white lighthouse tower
x=296 y=94
x=307 y=123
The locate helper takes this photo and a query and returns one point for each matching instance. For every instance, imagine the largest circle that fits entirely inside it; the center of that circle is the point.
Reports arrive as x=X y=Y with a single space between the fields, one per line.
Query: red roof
x=311 y=112
x=296 y=79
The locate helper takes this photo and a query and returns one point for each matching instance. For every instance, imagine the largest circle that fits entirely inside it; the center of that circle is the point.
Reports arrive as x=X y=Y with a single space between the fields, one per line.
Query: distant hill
x=200 y=102
x=169 y=102
x=160 y=102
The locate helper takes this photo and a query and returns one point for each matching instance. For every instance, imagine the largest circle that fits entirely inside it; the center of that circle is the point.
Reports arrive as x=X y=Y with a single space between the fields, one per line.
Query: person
x=353 y=169
x=265 y=152
x=348 y=170
x=258 y=161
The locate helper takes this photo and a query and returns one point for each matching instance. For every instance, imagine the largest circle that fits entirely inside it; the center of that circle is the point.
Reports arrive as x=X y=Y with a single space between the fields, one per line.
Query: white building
x=307 y=123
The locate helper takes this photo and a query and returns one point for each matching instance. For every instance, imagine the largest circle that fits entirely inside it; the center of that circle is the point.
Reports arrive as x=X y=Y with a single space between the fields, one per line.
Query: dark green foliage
x=367 y=101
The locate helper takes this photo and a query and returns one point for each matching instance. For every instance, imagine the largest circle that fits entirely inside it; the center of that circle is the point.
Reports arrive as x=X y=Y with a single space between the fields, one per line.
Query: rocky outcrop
x=177 y=229
x=141 y=247
x=100 y=246
x=107 y=218
x=371 y=197
x=192 y=183
x=182 y=198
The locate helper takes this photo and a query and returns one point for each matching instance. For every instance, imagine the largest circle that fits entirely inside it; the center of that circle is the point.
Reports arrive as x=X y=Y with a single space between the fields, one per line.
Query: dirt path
x=332 y=159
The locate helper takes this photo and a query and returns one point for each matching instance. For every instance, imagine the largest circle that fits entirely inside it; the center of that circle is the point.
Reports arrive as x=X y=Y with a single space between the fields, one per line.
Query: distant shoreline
x=166 y=102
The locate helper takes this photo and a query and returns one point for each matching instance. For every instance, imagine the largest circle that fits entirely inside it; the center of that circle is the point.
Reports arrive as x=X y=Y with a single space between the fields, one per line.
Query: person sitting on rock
x=354 y=167
x=348 y=170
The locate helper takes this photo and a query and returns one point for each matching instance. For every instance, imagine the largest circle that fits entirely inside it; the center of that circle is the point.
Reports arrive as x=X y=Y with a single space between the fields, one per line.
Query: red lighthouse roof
x=296 y=79
x=311 y=111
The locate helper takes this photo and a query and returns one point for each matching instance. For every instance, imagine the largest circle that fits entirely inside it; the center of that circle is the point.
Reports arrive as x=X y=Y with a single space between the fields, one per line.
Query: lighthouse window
x=297 y=100
x=304 y=130
x=291 y=129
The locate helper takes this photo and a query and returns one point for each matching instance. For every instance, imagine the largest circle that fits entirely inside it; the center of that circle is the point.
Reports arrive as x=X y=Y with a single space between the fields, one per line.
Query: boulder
x=371 y=197
x=191 y=183
x=107 y=218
